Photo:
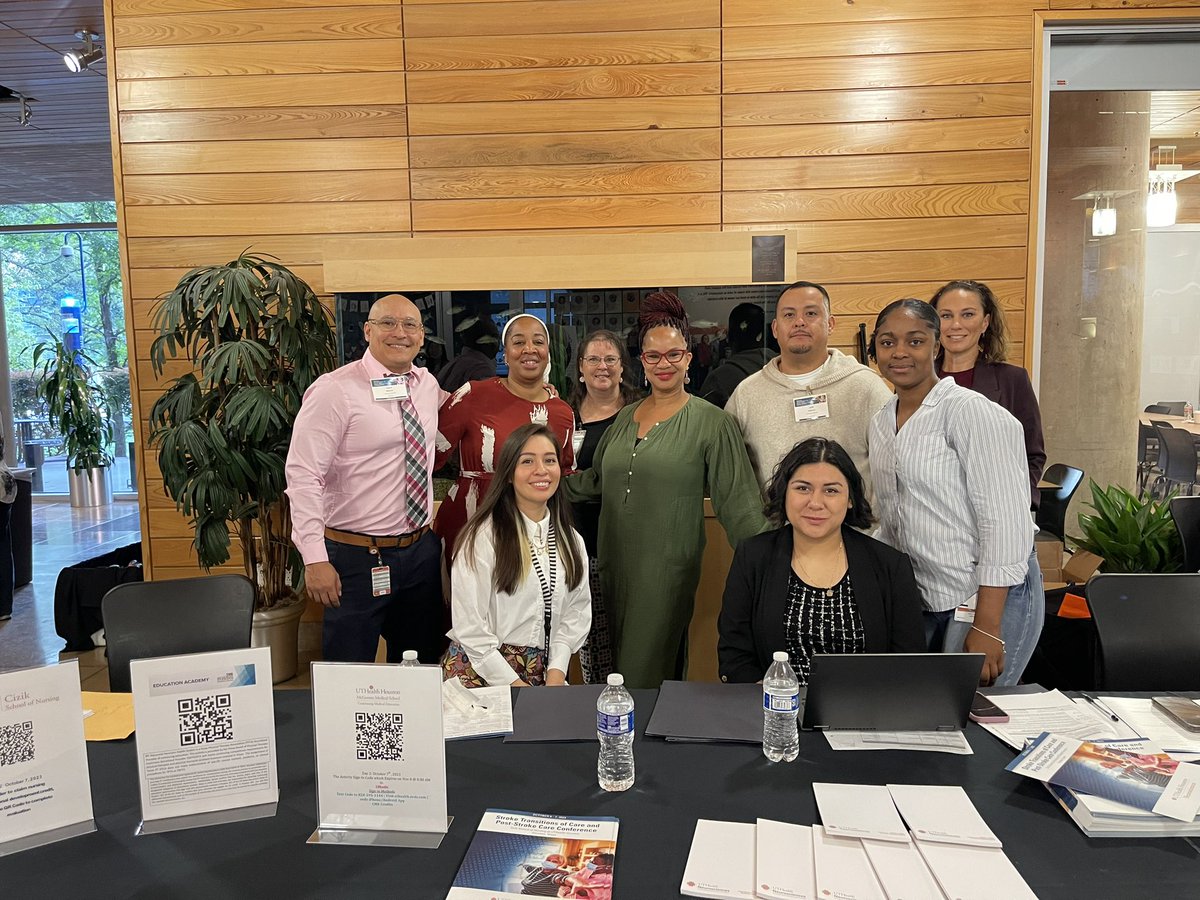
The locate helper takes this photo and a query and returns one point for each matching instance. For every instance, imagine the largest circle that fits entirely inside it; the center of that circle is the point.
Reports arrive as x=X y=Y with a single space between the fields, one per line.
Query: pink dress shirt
x=345 y=466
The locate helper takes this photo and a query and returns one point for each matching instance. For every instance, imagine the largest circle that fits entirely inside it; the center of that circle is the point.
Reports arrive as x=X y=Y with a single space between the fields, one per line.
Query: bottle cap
x=616 y=679
x=780 y=656
x=410 y=654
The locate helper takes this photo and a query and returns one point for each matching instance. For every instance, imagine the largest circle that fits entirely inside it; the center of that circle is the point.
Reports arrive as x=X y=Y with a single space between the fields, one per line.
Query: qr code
x=204 y=720
x=16 y=743
x=379 y=736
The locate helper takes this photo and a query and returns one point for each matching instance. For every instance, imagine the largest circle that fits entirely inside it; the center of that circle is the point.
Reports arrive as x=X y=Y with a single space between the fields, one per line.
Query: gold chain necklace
x=808 y=579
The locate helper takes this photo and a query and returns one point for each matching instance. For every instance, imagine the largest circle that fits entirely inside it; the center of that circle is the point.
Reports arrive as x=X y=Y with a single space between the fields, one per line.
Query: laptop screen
x=891 y=691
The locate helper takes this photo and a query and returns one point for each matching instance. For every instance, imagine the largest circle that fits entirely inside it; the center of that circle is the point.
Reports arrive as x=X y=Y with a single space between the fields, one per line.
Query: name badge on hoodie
x=394 y=387
x=811 y=408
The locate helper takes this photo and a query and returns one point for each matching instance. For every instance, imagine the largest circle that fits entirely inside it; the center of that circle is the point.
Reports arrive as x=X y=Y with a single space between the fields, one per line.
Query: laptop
x=891 y=691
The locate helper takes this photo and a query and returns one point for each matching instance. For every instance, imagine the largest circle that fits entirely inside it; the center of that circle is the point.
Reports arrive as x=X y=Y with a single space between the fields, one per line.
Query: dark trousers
x=6 y=560
x=411 y=617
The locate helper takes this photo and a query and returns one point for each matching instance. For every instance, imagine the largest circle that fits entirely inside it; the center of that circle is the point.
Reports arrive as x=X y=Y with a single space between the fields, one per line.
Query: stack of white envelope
x=863 y=851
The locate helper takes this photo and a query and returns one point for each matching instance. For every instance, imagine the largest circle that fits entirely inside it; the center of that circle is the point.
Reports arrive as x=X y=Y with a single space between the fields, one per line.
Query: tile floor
x=63 y=536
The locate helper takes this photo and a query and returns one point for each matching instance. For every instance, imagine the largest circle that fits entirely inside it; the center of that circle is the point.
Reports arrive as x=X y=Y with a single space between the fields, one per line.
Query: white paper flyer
x=205 y=737
x=45 y=793
x=381 y=759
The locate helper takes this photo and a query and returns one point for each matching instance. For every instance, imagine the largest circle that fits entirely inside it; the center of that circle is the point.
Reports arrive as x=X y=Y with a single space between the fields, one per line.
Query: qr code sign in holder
x=45 y=791
x=205 y=738
x=380 y=755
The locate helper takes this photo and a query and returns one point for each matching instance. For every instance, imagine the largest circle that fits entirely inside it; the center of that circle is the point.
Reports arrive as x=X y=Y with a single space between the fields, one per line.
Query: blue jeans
x=411 y=617
x=1020 y=626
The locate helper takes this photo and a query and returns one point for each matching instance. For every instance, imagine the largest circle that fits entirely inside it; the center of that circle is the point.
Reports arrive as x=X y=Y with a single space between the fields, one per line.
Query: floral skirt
x=528 y=664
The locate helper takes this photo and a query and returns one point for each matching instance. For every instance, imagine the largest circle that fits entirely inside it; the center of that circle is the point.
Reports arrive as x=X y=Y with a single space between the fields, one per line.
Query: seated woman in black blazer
x=815 y=585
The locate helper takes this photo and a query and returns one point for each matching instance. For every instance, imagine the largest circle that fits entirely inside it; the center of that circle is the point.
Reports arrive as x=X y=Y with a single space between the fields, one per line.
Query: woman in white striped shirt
x=952 y=491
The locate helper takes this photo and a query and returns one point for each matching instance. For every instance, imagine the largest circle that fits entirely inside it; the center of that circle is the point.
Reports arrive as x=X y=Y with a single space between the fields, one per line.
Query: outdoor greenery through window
x=64 y=284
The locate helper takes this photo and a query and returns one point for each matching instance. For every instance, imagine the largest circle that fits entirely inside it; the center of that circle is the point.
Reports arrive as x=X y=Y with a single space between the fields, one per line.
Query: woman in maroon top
x=974 y=349
x=480 y=415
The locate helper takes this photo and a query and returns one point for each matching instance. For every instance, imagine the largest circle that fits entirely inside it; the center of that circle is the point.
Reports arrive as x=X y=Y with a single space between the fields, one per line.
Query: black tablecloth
x=676 y=784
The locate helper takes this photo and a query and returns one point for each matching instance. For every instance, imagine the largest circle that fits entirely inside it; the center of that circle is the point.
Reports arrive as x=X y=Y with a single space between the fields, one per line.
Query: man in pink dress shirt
x=362 y=496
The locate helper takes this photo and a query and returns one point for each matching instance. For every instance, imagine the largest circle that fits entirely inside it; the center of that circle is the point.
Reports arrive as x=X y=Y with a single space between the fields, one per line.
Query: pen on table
x=1090 y=699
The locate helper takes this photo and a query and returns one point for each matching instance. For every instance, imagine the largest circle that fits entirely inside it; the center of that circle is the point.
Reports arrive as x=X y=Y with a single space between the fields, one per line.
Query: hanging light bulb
x=1104 y=217
x=1162 y=205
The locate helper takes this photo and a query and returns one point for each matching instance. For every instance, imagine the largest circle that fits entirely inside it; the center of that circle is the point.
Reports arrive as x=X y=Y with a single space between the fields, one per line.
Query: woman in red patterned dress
x=479 y=417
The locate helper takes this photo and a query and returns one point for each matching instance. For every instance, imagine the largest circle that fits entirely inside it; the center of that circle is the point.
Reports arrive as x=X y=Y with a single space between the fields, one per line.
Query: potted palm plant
x=76 y=405
x=257 y=337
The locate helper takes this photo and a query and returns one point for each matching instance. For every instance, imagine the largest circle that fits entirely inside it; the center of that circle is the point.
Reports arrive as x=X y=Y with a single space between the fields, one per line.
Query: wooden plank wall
x=892 y=135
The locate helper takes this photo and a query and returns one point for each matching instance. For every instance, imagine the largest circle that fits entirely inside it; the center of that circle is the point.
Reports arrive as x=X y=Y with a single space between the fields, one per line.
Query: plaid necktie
x=416 y=475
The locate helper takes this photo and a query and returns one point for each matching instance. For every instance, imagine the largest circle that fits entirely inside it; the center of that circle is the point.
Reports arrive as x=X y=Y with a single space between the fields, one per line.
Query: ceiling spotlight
x=82 y=57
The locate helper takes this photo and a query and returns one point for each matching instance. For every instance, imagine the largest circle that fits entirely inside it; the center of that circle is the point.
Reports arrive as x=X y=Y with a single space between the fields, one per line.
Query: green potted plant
x=76 y=406
x=1133 y=534
x=257 y=337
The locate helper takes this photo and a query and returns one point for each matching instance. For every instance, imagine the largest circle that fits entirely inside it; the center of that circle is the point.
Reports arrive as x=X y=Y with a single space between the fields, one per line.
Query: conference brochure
x=517 y=854
x=1134 y=773
x=874 y=857
x=205 y=738
x=45 y=791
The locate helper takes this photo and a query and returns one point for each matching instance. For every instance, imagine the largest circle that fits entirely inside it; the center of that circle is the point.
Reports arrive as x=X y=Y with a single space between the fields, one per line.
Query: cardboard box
x=1049 y=557
x=1076 y=570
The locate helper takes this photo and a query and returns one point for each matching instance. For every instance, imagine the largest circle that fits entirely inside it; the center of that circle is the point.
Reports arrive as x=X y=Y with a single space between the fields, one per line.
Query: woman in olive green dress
x=652 y=471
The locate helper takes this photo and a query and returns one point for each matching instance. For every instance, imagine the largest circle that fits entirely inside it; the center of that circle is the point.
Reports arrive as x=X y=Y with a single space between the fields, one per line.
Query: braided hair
x=662 y=309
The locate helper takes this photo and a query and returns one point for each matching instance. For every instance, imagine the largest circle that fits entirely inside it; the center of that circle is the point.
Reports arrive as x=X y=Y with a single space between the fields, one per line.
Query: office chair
x=1148 y=628
x=1147 y=464
x=1176 y=459
x=166 y=618
x=1051 y=515
x=1158 y=409
x=1186 y=513
x=1171 y=407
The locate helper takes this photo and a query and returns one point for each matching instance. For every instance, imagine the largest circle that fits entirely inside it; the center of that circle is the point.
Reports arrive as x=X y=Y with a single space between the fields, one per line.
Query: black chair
x=1176 y=460
x=1170 y=407
x=1148 y=627
x=1147 y=464
x=166 y=618
x=1159 y=408
x=1051 y=515
x=1186 y=513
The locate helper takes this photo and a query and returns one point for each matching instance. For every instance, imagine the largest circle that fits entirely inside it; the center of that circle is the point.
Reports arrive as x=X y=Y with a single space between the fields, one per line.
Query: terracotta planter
x=278 y=629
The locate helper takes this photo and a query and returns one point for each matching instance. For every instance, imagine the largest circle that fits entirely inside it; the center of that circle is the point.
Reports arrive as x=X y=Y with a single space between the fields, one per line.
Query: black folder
x=554 y=714
x=707 y=711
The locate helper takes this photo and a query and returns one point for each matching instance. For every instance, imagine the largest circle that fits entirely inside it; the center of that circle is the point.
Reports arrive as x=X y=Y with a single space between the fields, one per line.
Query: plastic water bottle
x=409 y=659
x=781 y=701
x=614 y=728
x=1189 y=412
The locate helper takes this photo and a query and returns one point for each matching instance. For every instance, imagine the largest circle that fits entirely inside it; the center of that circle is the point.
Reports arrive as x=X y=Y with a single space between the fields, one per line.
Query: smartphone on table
x=1181 y=710
x=984 y=710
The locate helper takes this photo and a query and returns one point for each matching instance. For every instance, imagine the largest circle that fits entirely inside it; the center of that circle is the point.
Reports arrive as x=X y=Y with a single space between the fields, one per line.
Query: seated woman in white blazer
x=519 y=598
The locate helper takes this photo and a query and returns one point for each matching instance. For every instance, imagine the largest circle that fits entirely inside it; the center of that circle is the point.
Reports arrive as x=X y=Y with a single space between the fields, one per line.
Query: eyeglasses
x=410 y=326
x=653 y=357
x=609 y=361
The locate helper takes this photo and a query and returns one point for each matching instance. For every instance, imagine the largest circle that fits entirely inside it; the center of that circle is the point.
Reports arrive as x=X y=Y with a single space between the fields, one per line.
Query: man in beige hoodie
x=809 y=390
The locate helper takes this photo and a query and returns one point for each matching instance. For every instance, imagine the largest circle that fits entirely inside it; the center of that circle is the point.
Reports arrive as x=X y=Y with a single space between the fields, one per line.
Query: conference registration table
x=676 y=784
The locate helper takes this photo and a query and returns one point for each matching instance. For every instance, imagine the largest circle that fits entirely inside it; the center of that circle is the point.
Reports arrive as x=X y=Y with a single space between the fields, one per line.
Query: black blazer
x=751 y=625
x=1010 y=387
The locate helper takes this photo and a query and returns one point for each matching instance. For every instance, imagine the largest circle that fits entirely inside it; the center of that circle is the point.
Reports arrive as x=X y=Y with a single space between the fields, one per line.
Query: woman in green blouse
x=652 y=471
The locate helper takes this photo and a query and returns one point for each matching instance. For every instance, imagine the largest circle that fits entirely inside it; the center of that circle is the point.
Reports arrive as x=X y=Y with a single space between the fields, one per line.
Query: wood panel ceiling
x=1174 y=114
x=63 y=154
